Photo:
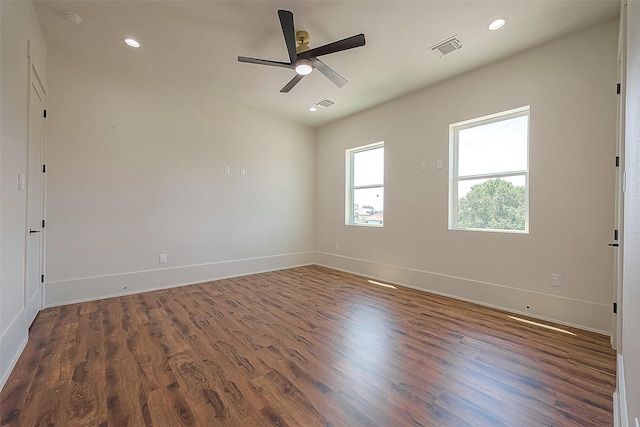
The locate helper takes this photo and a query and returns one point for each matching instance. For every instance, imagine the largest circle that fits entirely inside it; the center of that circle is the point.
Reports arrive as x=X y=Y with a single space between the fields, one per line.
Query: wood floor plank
x=306 y=346
x=53 y=406
x=168 y=407
x=296 y=409
x=87 y=382
x=310 y=375
x=123 y=388
x=212 y=368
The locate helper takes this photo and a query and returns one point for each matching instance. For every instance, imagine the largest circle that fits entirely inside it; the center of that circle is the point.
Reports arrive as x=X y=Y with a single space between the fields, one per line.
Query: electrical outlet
x=423 y=166
x=556 y=280
x=439 y=164
x=337 y=246
x=163 y=258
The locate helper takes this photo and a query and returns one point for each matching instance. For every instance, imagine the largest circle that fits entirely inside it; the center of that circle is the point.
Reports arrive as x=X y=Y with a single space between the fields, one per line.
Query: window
x=365 y=185
x=489 y=167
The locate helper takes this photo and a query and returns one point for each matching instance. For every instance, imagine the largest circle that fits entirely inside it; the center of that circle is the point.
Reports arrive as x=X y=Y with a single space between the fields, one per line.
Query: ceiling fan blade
x=289 y=33
x=336 y=78
x=294 y=81
x=344 y=44
x=264 y=62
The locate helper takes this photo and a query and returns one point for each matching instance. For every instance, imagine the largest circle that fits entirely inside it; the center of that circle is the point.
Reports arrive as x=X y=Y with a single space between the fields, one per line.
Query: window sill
x=491 y=230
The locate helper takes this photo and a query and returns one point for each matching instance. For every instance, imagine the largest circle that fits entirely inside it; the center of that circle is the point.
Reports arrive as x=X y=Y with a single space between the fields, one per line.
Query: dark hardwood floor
x=307 y=346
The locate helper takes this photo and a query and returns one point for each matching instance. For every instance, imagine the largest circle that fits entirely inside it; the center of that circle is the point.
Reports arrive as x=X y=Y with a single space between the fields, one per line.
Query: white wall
x=570 y=86
x=135 y=169
x=631 y=245
x=18 y=24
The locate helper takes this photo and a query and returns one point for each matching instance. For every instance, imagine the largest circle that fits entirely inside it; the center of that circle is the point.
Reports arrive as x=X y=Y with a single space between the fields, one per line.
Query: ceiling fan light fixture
x=303 y=67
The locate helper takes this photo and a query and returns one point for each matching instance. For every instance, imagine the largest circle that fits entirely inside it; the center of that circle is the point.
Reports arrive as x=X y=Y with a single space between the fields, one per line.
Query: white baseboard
x=567 y=311
x=620 y=414
x=93 y=288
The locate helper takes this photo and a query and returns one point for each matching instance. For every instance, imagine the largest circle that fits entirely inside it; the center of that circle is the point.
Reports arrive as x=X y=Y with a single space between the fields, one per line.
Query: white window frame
x=454 y=179
x=350 y=188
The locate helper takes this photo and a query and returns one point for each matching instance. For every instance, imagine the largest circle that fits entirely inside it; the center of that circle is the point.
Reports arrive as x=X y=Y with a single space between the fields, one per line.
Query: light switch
x=227 y=170
x=243 y=171
x=423 y=166
x=163 y=258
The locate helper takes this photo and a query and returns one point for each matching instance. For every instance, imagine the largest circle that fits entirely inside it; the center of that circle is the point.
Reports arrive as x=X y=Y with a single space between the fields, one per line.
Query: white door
x=619 y=189
x=35 y=187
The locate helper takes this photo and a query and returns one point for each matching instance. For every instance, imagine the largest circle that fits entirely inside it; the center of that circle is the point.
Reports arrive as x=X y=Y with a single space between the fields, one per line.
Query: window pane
x=497 y=203
x=368 y=205
x=368 y=167
x=494 y=147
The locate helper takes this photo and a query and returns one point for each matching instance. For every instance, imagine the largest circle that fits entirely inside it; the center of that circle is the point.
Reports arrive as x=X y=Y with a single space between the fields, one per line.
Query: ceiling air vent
x=325 y=103
x=447 y=46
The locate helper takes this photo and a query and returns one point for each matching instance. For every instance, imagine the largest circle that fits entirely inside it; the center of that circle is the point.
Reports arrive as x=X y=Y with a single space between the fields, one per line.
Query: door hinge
x=45 y=112
x=618 y=88
x=42 y=279
x=44 y=168
x=615 y=308
x=617 y=161
x=43 y=224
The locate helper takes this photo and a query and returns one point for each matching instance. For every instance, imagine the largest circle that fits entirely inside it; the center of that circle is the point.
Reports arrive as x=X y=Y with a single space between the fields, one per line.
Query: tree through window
x=489 y=167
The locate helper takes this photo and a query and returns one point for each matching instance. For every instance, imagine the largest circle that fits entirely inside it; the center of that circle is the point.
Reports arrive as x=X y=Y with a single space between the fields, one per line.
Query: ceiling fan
x=302 y=59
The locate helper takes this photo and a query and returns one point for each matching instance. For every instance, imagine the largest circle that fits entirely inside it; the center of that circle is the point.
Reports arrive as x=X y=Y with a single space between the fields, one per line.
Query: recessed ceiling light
x=313 y=109
x=132 y=42
x=497 y=24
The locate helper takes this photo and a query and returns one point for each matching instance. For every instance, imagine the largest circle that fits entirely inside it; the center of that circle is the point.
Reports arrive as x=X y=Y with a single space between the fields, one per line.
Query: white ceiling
x=196 y=43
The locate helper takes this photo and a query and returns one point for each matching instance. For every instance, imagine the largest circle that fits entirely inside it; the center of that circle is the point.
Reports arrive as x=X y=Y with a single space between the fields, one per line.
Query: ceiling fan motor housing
x=302 y=41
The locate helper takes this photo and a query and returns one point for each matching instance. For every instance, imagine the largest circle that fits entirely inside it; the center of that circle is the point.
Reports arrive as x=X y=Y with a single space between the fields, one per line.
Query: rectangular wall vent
x=325 y=103
x=447 y=46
